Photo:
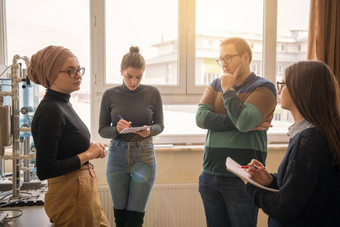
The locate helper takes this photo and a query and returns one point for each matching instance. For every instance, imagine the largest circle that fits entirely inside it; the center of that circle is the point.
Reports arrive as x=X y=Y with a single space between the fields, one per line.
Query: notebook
x=236 y=169
x=134 y=129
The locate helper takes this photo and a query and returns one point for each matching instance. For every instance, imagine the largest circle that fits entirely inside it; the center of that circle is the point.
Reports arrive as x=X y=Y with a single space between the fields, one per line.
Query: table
x=32 y=216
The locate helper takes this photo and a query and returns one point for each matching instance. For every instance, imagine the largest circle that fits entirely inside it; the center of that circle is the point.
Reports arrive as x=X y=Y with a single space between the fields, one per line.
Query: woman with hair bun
x=131 y=163
x=63 y=143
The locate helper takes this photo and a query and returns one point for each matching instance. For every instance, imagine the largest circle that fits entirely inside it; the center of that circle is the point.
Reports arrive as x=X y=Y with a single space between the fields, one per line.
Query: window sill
x=200 y=148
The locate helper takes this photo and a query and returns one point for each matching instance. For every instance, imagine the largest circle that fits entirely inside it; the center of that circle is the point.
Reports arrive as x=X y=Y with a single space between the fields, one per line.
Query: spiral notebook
x=236 y=169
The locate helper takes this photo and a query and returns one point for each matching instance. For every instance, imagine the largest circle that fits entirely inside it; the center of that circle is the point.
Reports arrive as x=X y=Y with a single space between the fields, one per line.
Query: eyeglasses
x=280 y=85
x=73 y=72
x=226 y=59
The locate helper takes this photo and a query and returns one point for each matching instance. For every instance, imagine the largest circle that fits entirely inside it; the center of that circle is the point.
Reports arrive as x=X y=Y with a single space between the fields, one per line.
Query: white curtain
x=3 y=34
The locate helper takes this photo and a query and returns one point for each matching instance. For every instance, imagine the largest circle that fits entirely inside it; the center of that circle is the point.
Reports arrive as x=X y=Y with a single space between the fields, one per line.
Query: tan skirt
x=73 y=200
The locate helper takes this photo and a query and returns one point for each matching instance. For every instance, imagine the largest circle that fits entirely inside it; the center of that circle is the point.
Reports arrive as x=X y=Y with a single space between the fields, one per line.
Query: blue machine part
x=29 y=100
x=6 y=85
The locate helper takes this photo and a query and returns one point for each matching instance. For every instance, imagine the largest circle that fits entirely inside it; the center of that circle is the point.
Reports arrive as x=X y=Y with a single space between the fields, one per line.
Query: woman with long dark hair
x=308 y=176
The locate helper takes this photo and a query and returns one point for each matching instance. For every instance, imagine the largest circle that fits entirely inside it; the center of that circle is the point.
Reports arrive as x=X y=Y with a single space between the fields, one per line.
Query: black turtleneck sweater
x=59 y=135
x=142 y=106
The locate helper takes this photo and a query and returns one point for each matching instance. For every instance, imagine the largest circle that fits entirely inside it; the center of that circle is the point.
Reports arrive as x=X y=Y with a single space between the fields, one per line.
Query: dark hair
x=240 y=45
x=133 y=59
x=315 y=92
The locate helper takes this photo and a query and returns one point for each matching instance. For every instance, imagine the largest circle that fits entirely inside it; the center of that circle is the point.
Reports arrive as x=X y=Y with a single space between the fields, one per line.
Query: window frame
x=185 y=92
x=3 y=35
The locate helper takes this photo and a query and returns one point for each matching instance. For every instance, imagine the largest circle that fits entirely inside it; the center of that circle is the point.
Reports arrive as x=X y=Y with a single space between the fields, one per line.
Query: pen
x=255 y=167
x=121 y=118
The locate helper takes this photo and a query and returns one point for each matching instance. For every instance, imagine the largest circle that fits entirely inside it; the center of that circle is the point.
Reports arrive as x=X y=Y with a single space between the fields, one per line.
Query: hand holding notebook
x=134 y=129
x=237 y=169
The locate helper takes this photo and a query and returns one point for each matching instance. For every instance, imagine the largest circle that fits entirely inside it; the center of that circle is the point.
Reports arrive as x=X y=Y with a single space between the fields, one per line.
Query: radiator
x=169 y=205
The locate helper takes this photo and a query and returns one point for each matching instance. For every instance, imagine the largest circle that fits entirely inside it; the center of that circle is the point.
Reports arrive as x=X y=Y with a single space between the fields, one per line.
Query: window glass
x=181 y=119
x=35 y=24
x=292 y=38
x=217 y=20
x=152 y=26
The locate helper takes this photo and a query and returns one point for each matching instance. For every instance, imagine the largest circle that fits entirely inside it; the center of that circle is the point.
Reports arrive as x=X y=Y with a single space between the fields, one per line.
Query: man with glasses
x=237 y=109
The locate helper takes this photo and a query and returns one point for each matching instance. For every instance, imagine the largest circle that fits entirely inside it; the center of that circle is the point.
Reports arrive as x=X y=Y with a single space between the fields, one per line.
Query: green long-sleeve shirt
x=230 y=118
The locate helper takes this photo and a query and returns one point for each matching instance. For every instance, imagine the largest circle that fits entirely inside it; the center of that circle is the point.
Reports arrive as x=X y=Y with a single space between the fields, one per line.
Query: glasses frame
x=81 y=72
x=280 y=85
x=226 y=59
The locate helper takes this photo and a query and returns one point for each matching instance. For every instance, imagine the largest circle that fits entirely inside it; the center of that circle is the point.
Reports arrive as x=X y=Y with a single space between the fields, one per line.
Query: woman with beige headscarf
x=63 y=144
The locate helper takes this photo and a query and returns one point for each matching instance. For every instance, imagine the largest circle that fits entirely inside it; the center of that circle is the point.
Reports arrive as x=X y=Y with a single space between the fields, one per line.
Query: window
x=279 y=70
x=292 y=30
x=33 y=25
x=153 y=31
x=216 y=21
x=184 y=62
x=200 y=24
x=282 y=47
x=180 y=42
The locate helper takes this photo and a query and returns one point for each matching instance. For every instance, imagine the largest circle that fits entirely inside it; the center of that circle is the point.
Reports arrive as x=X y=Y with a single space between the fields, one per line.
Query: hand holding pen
x=122 y=124
x=257 y=171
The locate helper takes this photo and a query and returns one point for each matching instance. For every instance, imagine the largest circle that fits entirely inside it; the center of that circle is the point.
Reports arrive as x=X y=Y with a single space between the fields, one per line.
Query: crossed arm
x=241 y=116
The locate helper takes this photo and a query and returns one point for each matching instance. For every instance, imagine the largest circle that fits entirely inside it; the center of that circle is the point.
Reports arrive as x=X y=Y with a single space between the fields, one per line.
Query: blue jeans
x=273 y=223
x=130 y=173
x=226 y=202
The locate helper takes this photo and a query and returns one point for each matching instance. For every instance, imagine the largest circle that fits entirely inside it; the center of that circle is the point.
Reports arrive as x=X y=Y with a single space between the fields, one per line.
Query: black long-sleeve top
x=306 y=181
x=142 y=106
x=59 y=135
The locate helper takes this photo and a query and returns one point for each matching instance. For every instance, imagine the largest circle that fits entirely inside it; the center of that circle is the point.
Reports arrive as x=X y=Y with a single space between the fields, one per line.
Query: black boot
x=120 y=217
x=134 y=219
